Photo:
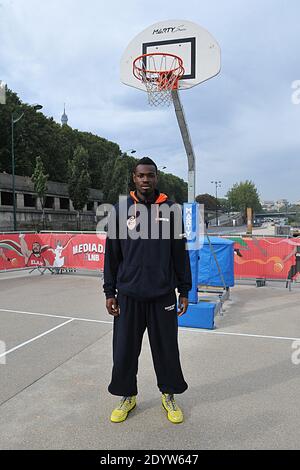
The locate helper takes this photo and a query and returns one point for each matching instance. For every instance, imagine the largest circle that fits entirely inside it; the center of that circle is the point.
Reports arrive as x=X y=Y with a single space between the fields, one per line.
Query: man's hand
x=182 y=305
x=113 y=307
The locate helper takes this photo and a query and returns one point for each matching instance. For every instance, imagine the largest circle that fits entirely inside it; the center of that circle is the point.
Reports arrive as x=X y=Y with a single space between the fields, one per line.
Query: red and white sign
x=269 y=258
x=55 y=250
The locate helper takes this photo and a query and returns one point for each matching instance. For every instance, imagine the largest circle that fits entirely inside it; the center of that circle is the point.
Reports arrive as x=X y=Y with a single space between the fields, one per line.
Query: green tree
x=209 y=202
x=40 y=179
x=243 y=195
x=36 y=134
x=79 y=180
x=100 y=150
x=118 y=180
x=173 y=186
x=13 y=102
x=224 y=204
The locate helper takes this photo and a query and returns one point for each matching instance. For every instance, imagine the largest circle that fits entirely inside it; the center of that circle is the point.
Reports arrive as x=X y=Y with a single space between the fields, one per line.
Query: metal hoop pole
x=187 y=144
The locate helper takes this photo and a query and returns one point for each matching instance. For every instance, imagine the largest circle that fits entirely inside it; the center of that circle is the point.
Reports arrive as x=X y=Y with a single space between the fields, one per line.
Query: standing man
x=142 y=268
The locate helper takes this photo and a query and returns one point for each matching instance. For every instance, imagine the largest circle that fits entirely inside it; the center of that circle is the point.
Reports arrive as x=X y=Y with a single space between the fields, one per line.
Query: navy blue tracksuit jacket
x=147 y=268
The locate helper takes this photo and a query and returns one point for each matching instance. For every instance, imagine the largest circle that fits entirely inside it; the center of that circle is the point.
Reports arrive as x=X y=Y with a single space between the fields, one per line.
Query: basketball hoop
x=160 y=74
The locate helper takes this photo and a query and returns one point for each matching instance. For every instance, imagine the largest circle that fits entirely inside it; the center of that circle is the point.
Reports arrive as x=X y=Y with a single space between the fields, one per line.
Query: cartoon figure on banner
x=59 y=260
x=33 y=258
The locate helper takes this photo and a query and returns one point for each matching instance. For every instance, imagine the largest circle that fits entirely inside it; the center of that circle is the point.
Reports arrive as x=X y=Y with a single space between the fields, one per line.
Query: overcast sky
x=243 y=123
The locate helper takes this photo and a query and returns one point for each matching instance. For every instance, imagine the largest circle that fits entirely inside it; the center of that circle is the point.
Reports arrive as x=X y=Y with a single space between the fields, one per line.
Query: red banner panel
x=269 y=258
x=55 y=250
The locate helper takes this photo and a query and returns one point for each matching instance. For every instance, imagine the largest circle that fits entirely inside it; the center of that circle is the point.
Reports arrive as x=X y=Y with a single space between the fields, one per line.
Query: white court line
x=35 y=338
x=228 y=333
x=194 y=330
x=55 y=316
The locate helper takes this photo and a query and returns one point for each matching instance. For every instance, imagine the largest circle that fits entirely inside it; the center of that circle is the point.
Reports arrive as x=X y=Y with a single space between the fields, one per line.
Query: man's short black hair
x=145 y=161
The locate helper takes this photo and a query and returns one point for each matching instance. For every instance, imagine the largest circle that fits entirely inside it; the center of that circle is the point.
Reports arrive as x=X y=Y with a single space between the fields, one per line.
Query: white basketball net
x=160 y=74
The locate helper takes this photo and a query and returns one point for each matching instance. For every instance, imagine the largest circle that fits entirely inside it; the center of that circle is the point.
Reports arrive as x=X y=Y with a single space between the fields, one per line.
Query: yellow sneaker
x=120 y=413
x=174 y=412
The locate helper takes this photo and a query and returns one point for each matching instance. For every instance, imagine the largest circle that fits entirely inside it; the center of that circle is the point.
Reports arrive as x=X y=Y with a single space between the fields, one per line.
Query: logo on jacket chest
x=131 y=222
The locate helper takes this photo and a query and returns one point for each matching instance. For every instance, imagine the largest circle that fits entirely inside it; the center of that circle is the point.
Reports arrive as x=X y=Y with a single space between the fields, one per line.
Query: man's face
x=36 y=248
x=145 y=179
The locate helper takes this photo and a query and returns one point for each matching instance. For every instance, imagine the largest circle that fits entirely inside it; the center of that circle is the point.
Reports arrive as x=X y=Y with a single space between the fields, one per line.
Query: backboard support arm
x=187 y=144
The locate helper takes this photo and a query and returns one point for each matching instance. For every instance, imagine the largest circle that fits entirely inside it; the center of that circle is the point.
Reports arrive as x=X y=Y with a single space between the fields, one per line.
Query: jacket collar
x=160 y=197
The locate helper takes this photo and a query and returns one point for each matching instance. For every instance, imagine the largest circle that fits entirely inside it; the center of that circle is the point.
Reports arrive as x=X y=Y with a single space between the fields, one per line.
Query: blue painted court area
x=243 y=376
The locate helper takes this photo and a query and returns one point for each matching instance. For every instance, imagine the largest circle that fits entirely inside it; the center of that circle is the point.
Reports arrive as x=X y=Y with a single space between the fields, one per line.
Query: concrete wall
x=30 y=218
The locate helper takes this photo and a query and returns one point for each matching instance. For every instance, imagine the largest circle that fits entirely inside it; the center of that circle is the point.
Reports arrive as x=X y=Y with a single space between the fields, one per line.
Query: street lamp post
x=218 y=185
x=13 y=122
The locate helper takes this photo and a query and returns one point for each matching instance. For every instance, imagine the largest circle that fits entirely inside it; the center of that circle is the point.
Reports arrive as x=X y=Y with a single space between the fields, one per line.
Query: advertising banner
x=52 y=250
x=270 y=258
x=254 y=257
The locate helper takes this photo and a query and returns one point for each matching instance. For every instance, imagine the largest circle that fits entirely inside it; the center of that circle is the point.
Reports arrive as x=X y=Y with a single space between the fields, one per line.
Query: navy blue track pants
x=160 y=318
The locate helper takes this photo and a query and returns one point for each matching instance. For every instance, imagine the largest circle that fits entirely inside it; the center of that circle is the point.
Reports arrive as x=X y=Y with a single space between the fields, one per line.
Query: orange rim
x=177 y=71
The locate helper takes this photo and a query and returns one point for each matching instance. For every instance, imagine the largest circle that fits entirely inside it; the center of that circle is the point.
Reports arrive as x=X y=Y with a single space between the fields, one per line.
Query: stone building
x=59 y=211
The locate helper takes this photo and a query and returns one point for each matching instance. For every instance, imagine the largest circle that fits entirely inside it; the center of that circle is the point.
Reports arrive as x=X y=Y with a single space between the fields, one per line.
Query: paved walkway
x=243 y=386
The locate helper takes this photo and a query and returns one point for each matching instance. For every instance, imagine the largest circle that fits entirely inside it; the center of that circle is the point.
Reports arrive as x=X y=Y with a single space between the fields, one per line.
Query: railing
x=19 y=231
x=72 y=232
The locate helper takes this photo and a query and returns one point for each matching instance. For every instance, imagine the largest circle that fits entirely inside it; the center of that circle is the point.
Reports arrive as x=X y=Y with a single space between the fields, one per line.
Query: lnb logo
x=2 y=92
x=2 y=353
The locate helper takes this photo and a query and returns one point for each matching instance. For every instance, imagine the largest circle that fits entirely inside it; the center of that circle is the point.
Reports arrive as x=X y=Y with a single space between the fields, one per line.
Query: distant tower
x=64 y=118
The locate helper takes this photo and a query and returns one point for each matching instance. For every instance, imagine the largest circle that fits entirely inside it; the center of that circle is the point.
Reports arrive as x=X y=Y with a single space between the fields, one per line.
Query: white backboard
x=198 y=49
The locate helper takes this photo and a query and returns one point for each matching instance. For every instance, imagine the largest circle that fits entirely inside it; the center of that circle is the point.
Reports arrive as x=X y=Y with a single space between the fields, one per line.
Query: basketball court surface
x=243 y=386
